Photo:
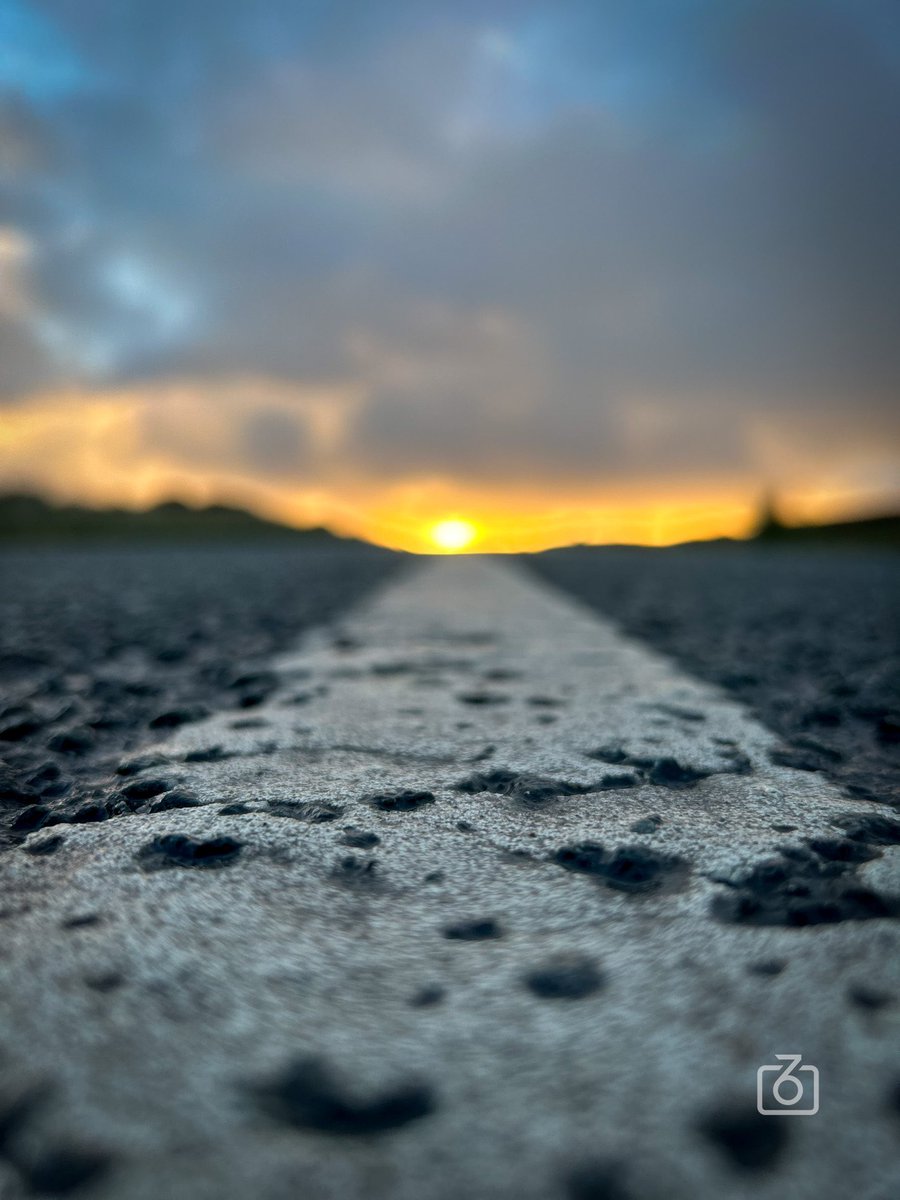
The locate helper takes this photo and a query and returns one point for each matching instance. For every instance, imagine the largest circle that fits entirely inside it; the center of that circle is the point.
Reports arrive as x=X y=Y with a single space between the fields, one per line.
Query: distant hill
x=868 y=531
x=25 y=518
x=881 y=531
x=873 y=532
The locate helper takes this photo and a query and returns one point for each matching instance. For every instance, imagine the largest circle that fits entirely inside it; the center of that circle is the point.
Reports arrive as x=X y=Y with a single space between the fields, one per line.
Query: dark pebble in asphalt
x=48 y=845
x=881 y=831
x=799 y=889
x=428 y=997
x=565 y=981
x=90 y=812
x=747 y=1140
x=314 y=813
x=173 y=717
x=870 y=999
x=360 y=839
x=528 y=789
x=30 y=818
x=179 y=850
x=134 y=766
x=71 y=741
x=767 y=967
x=15 y=792
x=15 y=730
x=404 y=801
x=626 y=869
x=174 y=799
x=307 y=1096
x=597 y=1181
x=64 y=1169
x=144 y=789
x=473 y=931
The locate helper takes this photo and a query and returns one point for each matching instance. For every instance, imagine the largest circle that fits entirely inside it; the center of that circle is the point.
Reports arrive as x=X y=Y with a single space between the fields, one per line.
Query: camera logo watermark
x=786 y=1089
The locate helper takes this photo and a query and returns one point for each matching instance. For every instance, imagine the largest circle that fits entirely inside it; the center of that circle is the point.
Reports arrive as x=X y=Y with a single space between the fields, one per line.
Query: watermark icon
x=785 y=1089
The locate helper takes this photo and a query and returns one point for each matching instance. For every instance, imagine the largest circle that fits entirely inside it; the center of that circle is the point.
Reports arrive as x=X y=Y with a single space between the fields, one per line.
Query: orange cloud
x=282 y=450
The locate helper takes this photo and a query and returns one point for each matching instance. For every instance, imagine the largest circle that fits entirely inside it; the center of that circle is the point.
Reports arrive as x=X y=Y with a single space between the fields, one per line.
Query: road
x=481 y=899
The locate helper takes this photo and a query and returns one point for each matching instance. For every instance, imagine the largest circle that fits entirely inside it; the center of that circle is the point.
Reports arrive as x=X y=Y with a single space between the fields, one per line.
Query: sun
x=453 y=534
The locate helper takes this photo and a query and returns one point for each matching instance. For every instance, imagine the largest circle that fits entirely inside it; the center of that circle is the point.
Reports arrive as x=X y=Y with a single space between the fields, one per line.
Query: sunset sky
x=569 y=271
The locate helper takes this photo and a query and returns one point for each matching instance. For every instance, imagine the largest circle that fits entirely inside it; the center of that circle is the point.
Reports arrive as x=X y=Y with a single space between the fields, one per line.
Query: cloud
x=273 y=442
x=539 y=244
x=138 y=443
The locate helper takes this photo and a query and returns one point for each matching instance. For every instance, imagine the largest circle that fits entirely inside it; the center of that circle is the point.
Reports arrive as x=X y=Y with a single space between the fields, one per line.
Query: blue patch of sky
x=35 y=58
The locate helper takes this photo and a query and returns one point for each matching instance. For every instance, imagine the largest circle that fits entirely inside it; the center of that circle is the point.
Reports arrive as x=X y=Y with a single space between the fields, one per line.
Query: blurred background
x=497 y=275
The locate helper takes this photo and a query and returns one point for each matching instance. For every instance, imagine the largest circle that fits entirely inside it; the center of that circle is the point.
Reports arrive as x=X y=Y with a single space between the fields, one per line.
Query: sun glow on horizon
x=453 y=535
x=180 y=439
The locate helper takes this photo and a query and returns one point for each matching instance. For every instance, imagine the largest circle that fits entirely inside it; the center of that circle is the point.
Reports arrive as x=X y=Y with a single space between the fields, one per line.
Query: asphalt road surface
x=102 y=650
x=808 y=638
x=463 y=894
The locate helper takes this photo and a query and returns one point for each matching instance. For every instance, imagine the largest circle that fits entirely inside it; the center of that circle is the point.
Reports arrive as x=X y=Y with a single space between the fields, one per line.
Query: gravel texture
x=103 y=650
x=809 y=639
x=488 y=901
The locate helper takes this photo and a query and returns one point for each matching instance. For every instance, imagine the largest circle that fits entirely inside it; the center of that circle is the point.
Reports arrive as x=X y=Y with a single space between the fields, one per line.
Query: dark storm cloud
x=602 y=234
